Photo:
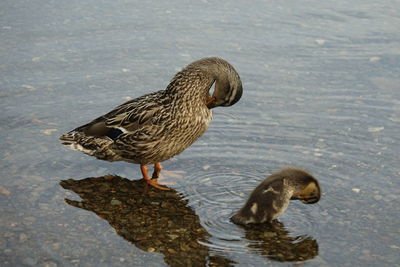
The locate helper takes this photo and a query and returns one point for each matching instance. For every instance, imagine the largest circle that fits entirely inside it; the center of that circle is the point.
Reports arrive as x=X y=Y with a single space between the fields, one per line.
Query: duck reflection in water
x=273 y=241
x=151 y=219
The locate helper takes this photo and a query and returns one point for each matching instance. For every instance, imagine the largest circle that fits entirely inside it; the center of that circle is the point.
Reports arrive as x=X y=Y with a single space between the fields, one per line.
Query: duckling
x=271 y=197
x=159 y=125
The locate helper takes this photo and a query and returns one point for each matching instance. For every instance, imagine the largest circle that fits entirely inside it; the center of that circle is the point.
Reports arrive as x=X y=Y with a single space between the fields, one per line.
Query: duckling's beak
x=306 y=200
x=310 y=200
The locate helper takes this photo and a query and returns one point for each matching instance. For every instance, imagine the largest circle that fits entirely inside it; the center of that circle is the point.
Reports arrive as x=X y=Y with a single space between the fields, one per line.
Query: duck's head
x=228 y=90
x=309 y=194
x=228 y=87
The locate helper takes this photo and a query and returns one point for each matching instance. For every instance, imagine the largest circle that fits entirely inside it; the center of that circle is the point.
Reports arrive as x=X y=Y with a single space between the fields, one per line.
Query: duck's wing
x=137 y=119
x=137 y=112
x=142 y=145
x=127 y=117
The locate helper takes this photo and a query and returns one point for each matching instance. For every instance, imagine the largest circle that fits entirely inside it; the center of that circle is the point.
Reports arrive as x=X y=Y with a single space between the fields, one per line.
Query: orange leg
x=144 y=169
x=157 y=170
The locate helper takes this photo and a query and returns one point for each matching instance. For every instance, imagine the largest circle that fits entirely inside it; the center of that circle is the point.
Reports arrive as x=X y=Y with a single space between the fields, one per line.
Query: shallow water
x=322 y=92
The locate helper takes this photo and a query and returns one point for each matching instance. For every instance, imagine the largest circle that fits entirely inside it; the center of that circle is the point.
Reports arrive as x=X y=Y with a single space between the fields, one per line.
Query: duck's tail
x=99 y=147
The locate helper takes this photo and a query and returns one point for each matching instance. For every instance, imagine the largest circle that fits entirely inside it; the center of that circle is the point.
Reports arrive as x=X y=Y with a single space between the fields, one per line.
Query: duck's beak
x=210 y=103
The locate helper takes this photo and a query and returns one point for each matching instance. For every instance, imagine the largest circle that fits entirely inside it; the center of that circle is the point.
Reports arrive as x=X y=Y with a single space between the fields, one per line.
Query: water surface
x=321 y=91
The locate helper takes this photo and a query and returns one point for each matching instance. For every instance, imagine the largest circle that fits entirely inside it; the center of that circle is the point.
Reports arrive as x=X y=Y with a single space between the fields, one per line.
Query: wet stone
x=172 y=236
x=30 y=219
x=49 y=264
x=56 y=246
x=115 y=202
x=171 y=251
x=23 y=237
x=29 y=261
x=44 y=206
x=8 y=234
x=185 y=247
x=269 y=234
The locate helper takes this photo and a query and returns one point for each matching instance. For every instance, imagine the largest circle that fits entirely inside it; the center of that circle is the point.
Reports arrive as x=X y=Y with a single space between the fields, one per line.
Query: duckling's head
x=309 y=195
x=307 y=188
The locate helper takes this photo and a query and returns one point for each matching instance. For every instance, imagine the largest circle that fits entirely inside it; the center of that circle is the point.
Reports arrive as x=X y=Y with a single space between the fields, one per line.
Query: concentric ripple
x=235 y=155
x=217 y=191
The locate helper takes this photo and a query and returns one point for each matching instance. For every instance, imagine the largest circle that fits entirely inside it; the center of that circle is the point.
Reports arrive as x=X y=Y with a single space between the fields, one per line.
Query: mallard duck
x=271 y=197
x=157 y=126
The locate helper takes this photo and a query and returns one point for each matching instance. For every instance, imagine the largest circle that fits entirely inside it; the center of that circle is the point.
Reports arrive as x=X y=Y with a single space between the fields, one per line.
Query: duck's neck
x=191 y=86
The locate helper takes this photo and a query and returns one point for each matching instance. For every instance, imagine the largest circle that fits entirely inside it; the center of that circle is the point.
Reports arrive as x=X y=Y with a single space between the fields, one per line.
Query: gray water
x=321 y=91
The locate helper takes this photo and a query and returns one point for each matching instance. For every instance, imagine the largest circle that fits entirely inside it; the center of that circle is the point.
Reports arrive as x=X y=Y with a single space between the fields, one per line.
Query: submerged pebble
x=115 y=202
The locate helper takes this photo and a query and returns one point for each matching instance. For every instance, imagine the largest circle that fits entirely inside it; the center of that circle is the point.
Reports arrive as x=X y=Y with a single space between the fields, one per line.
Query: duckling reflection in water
x=275 y=242
x=271 y=197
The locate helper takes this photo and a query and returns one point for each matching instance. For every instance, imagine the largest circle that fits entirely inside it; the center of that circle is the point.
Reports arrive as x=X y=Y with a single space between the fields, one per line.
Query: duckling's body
x=157 y=126
x=271 y=197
